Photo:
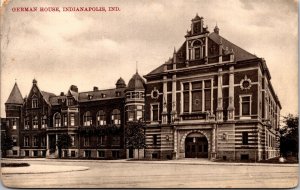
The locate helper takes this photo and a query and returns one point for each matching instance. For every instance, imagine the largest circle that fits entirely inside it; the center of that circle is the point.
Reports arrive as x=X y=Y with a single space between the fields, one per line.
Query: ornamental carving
x=245 y=83
x=154 y=93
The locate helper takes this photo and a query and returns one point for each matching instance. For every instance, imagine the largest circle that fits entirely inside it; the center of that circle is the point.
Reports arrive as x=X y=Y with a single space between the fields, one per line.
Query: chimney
x=74 y=88
x=62 y=94
x=96 y=88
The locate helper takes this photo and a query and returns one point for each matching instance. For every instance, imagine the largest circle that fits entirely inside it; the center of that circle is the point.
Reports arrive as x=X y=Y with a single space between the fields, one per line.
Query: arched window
x=116 y=117
x=101 y=118
x=57 y=120
x=87 y=119
x=44 y=121
x=197 y=50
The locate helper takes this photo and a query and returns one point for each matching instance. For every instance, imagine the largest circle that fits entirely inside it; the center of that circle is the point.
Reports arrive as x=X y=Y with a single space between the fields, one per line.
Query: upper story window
x=116 y=117
x=135 y=112
x=35 y=103
x=196 y=50
x=154 y=112
x=26 y=141
x=43 y=141
x=57 y=120
x=34 y=141
x=14 y=123
x=26 y=123
x=15 y=139
x=86 y=141
x=197 y=96
x=87 y=119
x=101 y=118
x=44 y=122
x=35 y=122
x=65 y=119
x=245 y=105
x=70 y=102
x=72 y=119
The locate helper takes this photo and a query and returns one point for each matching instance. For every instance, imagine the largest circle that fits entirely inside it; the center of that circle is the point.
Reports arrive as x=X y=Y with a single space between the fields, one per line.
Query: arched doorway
x=196 y=146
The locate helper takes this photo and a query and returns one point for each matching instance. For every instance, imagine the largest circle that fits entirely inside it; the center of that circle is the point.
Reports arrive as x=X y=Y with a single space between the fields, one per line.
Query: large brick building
x=212 y=100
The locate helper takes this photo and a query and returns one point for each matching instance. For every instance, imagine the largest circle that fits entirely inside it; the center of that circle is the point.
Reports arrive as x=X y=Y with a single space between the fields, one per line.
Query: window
x=43 y=141
x=115 y=153
x=116 y=140
x=86 y=141
x=72 y=119
x=57 y=120
x=34 y=103
x=155 y=112
x=14 y=138
x=65 y=119
x=87 y=153
x=14 y=123
x=26 y=124
x=26 y=141
x=197 y=96
x=245 y=138
x=73 y=140
x=34 y=141
x=44 y=122
x=70 y=102
x=101 y=118
x=15 y=152
x=101 y=140
x=35 y=123
x=115 y=117
x=197 y=51
x=135 y=112
x=246 y=105
x=101 y=153
x=154 y=139
x=87 y=119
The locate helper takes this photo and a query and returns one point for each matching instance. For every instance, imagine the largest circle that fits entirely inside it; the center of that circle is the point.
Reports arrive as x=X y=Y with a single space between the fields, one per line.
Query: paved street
x=172 y=174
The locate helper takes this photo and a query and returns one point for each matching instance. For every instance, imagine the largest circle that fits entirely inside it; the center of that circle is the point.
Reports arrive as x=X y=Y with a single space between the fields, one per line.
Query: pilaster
x=230 y=109
x=220 y=97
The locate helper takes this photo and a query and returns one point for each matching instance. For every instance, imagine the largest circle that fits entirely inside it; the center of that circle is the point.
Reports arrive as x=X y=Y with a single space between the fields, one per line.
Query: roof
x=239 y=53
x=47 y=95
x=100 y=94
x=136 y=82
x=15 y=96
x=159 y=69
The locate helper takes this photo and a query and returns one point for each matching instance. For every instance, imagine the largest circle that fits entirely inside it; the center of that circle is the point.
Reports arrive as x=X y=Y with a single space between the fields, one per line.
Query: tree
x=135 y=136
x=64 y=141
x=289 y=135
x=6 y=143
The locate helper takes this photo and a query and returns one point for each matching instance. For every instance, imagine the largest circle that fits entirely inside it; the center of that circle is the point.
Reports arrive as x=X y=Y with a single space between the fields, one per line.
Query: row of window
x=35 y=141
x=102 y=140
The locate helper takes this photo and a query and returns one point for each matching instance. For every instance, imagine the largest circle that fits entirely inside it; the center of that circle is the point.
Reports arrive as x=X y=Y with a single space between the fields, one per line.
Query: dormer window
x=196 y=50
x=35 y=103
x=44 y=122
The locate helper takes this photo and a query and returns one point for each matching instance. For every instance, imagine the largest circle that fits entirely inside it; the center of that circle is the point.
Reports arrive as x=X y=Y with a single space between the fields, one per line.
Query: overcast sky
x=96 y=48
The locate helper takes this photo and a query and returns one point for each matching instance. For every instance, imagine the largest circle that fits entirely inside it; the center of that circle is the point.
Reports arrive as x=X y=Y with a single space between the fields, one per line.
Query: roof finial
x=136 y=66
x=15 y=80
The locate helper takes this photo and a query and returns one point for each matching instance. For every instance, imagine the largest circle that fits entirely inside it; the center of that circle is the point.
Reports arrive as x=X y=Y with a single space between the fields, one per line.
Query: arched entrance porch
x=196 y=146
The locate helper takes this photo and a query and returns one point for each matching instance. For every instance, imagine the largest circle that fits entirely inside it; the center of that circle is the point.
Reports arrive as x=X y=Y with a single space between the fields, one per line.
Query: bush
x=14 y=164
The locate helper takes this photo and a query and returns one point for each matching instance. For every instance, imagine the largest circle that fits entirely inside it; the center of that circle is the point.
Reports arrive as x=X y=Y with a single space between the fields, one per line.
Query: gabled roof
x=15 y=96
x=47 y=95
x=239 y=53
x=159 y=69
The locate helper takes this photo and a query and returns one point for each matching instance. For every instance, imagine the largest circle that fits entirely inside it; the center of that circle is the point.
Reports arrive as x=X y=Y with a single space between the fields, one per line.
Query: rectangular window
x=35 y=123
x=73 y=140
x=87 y=153
x=246 y=105
x=197 y=53
x=26 y=124
x=139 y=114
x=101 y=153
x=116 y=140
x=197 y=96
x=65 y=120
x=155 y=112
x=34 y=103
x=14 y=123
x=26 y=141
x=86 y=141
x=207 y=95
x=34 y=141
x=44 y=122
x=154 y=139
x=101 y=140
x=43 y=141
x=115 y=154
x=72 y=119
x=14 y=138
x=245 y=138
x=15 y=152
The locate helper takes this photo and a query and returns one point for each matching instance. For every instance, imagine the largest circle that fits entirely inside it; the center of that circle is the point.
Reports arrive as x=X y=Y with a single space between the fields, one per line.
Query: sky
x=90 y=49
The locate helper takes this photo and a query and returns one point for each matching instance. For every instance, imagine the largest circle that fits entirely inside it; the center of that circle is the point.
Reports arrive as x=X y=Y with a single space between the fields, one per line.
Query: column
x=213 y=143
x=175 y=143
x=165 y=100
x=220 y=97
x=174 y=113
x=56 y=148
x=47 y=144
x=230 y=109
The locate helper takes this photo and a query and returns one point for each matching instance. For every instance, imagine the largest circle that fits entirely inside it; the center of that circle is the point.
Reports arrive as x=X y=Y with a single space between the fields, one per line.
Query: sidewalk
x=40 y=169
x=189 y=161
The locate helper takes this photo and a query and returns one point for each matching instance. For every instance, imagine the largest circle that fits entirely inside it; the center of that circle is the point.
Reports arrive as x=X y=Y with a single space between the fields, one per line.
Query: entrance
x=196 y=146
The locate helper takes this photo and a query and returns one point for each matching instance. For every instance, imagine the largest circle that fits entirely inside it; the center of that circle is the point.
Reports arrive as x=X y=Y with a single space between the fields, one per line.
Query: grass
x=14 y=164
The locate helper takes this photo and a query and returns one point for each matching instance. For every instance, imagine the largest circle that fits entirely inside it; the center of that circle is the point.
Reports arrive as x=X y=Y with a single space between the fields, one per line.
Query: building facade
x=212 y=100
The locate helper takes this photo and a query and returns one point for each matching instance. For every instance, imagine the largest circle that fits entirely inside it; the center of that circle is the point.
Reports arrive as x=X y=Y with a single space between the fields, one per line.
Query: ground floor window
x=101 y=153
x=87 y=153
x=72 y=153
x=65 y=153
x=35 y=153
x=244 y=156
x=27 y=153
x=15 y=152
x=44 y=153
x=115 y=154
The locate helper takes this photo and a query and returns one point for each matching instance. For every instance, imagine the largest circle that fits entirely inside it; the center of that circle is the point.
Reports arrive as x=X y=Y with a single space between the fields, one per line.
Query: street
x=147 y=174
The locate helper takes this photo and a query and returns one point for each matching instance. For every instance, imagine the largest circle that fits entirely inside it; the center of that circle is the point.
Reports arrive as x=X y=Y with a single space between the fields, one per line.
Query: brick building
x=212 y=100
